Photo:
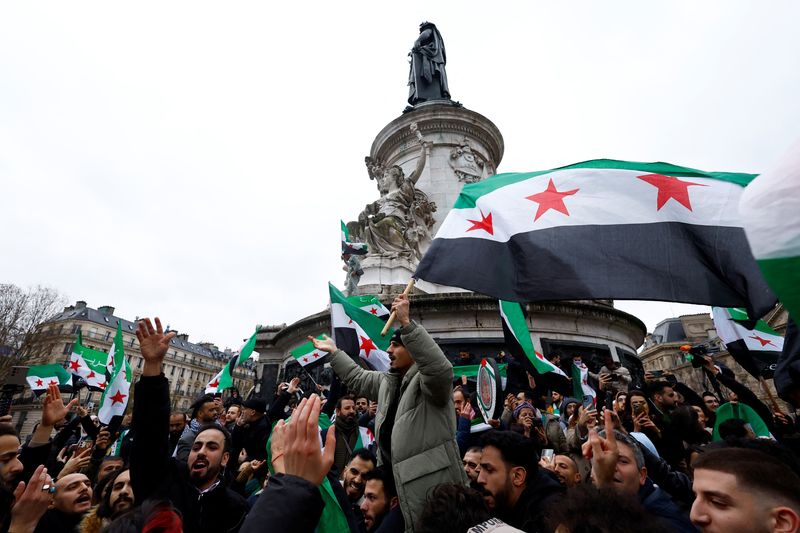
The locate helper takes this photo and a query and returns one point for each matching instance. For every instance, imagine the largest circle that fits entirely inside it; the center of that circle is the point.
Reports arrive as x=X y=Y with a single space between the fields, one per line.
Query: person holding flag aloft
x=414 y=426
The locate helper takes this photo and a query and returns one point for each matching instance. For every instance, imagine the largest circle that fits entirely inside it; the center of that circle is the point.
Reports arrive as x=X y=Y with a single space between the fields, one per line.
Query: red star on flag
x=367 y=345
x=485 y=223
x=102 y=385
x=53 y=382
x=763 y=341
x=305 y=359
x=74 y=364
x=670 y=187
x=39 y=382
x=91 y=375
x=550 y=198
x=315 y=354
x=350 y=322
x=374 y=311
x=214 y=383
x=117 y=398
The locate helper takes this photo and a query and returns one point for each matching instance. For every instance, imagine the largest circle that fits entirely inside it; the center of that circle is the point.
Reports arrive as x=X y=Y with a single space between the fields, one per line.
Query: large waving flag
x=89 y=365
x=756 y=350
x=115 y=396
x=519 y=344
x=40 y=377
x=224 y=378
x=352 y=248
x=770 y=210
x=358 y=332
x=601 y=229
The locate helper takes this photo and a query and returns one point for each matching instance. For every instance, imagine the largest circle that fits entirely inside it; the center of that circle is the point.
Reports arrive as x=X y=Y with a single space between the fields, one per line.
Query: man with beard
x=72 y=499
x=363 y=461
x=516 y=490
x=380 y=499
x=117 y=498
x=618 y=464
x=233 y=412
x=204 y=412
x=472 y=463
x=195 y=488
x=177 y=423
x=362 y=405
x=347 y=432
x=566 y=470
x=414 y=426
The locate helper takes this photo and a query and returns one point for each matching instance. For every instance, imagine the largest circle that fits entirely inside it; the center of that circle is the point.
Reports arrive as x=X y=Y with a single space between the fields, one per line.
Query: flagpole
x=765 y=388
x=393 y=316
x=309 y=376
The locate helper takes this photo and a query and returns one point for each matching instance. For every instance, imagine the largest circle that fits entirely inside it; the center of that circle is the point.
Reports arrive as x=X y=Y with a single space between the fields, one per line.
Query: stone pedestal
x=465 y=147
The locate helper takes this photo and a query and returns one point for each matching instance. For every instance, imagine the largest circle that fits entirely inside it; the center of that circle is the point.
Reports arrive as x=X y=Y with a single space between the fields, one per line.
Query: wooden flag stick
x=775 y=407
x=393 y=316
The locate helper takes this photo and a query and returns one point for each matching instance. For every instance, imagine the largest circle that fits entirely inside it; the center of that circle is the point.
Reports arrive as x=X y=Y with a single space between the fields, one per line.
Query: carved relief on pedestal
x=468 y=166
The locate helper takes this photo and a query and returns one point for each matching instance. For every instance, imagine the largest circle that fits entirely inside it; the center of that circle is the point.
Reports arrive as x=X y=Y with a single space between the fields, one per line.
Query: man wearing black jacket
x=254 y=424
x=515 y=489
x=195 y=489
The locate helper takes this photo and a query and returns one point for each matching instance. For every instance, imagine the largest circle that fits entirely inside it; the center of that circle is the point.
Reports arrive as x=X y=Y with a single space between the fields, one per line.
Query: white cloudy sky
x=193 y=159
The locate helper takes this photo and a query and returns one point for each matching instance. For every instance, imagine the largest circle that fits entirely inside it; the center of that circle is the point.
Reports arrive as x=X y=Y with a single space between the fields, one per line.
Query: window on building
x=133 y=339
x=67 y=349
x=76 y=328
x=172 y=372
x=183 y=370
x=108 y=335
x=191 y=374
x=139 y=362
x=93 y=333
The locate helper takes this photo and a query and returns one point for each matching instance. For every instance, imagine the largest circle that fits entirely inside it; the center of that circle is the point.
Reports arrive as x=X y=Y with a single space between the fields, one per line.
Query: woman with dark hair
x=636 y=416
x=687 y=426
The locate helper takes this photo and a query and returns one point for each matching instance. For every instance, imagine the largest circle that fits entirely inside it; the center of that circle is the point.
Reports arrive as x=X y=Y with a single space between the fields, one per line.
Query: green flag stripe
x=782 y=276
x=371 y=324
x=512 y=314
x=739 y=314
x=472 y=370
x=49 y=371
x=470 y=193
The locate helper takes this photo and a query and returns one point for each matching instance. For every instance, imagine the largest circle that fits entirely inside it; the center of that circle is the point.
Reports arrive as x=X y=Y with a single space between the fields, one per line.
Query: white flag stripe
x=629 y=200
x=377 y=358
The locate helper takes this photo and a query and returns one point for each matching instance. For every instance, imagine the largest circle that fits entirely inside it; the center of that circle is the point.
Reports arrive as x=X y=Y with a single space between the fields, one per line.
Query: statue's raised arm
x=425 y=148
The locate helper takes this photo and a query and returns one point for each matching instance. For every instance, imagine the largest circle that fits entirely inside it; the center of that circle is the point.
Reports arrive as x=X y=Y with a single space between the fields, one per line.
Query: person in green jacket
x=414 y=426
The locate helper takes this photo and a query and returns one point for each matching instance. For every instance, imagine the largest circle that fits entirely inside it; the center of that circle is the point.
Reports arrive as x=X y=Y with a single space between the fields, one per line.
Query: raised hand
x=30 y=501
x=325 y=344
x=293 y=385
x=400 y=306
x=79 y=460
x=604 y=453
x=53 y=408
x=102 y=440
x=153 y=344
x=302 y=456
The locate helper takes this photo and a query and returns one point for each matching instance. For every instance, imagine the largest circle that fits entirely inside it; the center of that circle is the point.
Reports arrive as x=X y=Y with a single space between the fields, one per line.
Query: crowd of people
x=399 y=451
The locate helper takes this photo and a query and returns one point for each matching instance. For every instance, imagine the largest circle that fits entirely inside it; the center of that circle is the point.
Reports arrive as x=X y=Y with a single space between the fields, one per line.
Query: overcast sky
x=193 y=159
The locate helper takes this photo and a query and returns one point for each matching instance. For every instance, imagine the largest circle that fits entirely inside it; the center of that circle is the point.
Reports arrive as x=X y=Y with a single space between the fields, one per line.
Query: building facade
x=188 y=366
x=661 y=351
